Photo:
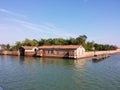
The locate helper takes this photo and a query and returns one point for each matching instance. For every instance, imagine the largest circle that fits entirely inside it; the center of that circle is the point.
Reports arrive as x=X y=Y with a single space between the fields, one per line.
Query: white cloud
x=48 y=29
x=11 y=13
x=43 y=30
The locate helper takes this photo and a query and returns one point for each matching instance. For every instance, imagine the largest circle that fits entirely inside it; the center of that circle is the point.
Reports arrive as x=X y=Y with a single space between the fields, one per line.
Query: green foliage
x=8 y=47
x=72 y=41
x=17 y=45
x=55 y=41
x=80 y=40
x=48 y=42
x=41 y=42
x=5 y=47
x=102 y=47
x=29 y=42
x=90 y=46
x=59 y=41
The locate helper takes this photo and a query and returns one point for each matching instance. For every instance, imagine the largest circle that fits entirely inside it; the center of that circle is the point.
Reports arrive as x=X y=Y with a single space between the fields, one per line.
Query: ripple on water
x=1 y=88
x=59 y=74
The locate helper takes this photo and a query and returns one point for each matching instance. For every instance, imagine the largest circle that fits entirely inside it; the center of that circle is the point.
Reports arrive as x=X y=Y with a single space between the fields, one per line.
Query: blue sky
x=36 y=19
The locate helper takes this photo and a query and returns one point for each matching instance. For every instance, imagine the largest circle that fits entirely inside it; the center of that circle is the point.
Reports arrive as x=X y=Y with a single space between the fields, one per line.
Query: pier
x=100 y=57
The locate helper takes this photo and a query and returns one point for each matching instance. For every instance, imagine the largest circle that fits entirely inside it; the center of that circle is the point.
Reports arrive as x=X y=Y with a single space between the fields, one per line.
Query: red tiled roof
x=28 y=47
x=53 y=47
x=60 y=47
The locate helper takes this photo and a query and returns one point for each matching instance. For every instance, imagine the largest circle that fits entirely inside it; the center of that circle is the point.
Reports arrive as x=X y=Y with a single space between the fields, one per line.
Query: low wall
x=87 y=54
x=91 y=54
x=14 y=53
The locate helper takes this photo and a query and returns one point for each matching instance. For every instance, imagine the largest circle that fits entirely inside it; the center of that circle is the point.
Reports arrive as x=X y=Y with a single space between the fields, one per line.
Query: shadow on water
x=97 y=61
x=21 y=59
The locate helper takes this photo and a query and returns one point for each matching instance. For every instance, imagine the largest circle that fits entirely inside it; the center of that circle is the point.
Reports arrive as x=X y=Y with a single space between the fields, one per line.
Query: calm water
x=19 y=73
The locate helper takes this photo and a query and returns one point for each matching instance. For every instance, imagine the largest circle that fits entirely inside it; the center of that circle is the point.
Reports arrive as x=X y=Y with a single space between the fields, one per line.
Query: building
x=27 y=51
x=62 y=51
x=54 y=51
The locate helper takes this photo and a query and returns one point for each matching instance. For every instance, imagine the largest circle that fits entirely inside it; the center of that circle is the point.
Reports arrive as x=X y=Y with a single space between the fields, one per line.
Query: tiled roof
x=53 y=47
x=60 y=47
x=28 y=47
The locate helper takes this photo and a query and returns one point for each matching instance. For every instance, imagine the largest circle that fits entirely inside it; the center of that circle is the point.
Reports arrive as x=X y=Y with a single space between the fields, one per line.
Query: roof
x=28 y=47
x=52 y=47
x=60 y=47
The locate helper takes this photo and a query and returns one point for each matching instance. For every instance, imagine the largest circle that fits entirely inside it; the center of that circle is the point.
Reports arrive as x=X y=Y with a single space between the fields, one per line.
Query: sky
x=99 y=20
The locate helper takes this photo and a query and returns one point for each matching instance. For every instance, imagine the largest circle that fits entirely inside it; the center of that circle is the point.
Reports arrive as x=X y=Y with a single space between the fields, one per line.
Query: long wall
x=87 y=54
x=91 y=54
x=14 y=53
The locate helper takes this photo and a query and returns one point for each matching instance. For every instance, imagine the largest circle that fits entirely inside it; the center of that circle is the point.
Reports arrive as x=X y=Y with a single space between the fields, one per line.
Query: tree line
x=80 y=40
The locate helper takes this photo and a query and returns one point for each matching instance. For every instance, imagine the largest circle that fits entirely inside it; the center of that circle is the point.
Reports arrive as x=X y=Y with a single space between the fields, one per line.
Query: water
x=28 y=73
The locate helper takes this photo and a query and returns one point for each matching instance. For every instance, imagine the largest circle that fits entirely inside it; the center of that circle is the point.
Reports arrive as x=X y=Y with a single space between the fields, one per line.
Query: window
x=57 y=52
x=51 y=51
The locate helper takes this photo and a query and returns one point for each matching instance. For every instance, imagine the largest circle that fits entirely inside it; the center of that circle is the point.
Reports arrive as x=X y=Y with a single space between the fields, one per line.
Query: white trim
x=33 y=50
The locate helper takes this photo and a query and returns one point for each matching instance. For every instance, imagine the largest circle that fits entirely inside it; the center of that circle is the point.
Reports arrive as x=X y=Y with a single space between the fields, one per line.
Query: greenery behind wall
x=80 y=40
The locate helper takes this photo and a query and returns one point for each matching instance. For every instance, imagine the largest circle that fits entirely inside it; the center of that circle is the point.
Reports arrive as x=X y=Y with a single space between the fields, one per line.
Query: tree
x=49 y=42
x=34 y=42
x=17 y=45
x=82 y=40
x=8 y=47
x=29 y=42
x=41 y=42
x=98 y=47
x=90 y=46
x=71 y=41
x=59 y=41
x=3 y=46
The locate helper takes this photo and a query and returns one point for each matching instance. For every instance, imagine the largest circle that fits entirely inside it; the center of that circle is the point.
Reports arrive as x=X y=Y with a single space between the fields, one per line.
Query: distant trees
x=29 y=42
x=103 y=47
x=5 y=47
x=80 y=40
x=17 y=45
x=90 y=46
x=57 y=41
x=72 y=41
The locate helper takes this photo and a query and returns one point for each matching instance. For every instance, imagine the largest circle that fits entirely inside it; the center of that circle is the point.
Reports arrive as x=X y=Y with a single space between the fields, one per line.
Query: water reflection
x=1 y=88
x=21 y=59
x=29 y=60
x=79 y=64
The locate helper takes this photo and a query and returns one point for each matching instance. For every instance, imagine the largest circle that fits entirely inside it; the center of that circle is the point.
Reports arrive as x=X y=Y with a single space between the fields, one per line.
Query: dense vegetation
x=80 y=40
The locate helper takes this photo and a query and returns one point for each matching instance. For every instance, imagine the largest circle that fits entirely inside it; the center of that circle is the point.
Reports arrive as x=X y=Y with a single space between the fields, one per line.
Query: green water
x=28 y=73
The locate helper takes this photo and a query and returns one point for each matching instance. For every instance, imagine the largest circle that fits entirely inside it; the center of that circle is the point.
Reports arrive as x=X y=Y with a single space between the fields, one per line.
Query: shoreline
x=110 y=52
x=87 y=54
